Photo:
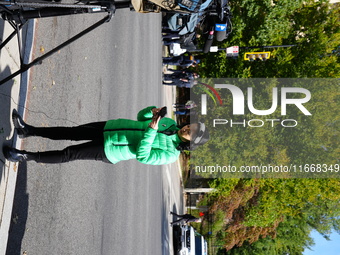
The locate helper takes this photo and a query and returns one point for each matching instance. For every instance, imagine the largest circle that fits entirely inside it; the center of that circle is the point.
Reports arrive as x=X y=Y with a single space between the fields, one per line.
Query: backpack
x=191 y=5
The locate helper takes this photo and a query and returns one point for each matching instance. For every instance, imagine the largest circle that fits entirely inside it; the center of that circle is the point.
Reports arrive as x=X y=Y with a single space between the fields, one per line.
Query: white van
x=191 y=242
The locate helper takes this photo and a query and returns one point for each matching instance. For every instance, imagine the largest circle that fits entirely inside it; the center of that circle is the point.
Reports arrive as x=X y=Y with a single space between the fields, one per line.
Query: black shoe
x=14 y=155
x=21 y=127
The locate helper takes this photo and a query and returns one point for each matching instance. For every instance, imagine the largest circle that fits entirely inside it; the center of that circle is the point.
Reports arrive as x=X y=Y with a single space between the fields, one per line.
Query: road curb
x=10 y=170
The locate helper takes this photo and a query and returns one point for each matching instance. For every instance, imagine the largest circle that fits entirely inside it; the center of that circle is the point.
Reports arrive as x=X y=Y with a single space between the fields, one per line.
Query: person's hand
x=154 y=123
x=155 y=111
x=155 y=119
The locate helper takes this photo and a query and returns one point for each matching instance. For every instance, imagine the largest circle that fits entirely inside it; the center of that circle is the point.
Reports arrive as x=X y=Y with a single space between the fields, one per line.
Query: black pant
x=93 y=150
x=181 y=218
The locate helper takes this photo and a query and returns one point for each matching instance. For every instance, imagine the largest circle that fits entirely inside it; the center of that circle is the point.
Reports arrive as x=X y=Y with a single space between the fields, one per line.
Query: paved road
x=93 y=207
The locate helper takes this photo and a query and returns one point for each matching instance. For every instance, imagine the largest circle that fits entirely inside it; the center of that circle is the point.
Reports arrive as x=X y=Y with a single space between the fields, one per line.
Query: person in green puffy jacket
x=150 y=139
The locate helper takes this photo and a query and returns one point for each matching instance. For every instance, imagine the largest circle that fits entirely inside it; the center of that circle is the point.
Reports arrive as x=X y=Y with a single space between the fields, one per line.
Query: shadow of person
x=176 y=232
x=19 y=213
x=6 y=138
x=5 y=117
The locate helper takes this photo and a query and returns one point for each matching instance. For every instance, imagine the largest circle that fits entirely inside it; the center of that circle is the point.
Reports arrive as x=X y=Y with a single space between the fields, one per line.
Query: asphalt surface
x=89 y=207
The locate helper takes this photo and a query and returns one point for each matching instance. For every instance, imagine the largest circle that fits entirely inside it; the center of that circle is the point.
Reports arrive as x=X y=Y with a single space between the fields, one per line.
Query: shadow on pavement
x=5 y=117
x=168 y=230
x=19 y=213
x=176 y=232
x=2 y=24
x=20 y=207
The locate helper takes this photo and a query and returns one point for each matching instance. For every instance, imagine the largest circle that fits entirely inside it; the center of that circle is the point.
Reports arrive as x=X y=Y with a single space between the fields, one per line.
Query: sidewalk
x=12 y=96
x=169 y=98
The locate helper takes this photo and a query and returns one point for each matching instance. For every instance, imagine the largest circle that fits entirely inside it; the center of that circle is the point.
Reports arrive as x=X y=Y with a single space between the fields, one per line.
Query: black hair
x=184 y=146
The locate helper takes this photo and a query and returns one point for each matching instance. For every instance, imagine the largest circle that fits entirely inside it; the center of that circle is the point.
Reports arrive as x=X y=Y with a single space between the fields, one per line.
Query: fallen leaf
x=15 y=167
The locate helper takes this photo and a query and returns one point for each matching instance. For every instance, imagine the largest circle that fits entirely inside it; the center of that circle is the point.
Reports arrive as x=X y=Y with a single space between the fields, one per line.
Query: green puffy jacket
x=127 y=139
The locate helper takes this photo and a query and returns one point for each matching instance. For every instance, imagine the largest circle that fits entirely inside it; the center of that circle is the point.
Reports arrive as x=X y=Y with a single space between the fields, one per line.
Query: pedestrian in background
x=182 y=61
x=183 y=80
x=188 y=105
x=184 y=219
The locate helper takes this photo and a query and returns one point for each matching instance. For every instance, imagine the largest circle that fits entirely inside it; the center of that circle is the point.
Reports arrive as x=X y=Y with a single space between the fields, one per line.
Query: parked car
x=191 y=242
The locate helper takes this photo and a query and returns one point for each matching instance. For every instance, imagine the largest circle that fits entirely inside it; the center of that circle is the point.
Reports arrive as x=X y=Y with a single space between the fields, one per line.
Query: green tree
x=312 y=25
x=260 y=212
x=314 y=140
x=292 y=238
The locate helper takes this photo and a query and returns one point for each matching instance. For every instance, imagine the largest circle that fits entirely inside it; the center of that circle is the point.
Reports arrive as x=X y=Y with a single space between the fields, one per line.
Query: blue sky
x=324 y=247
